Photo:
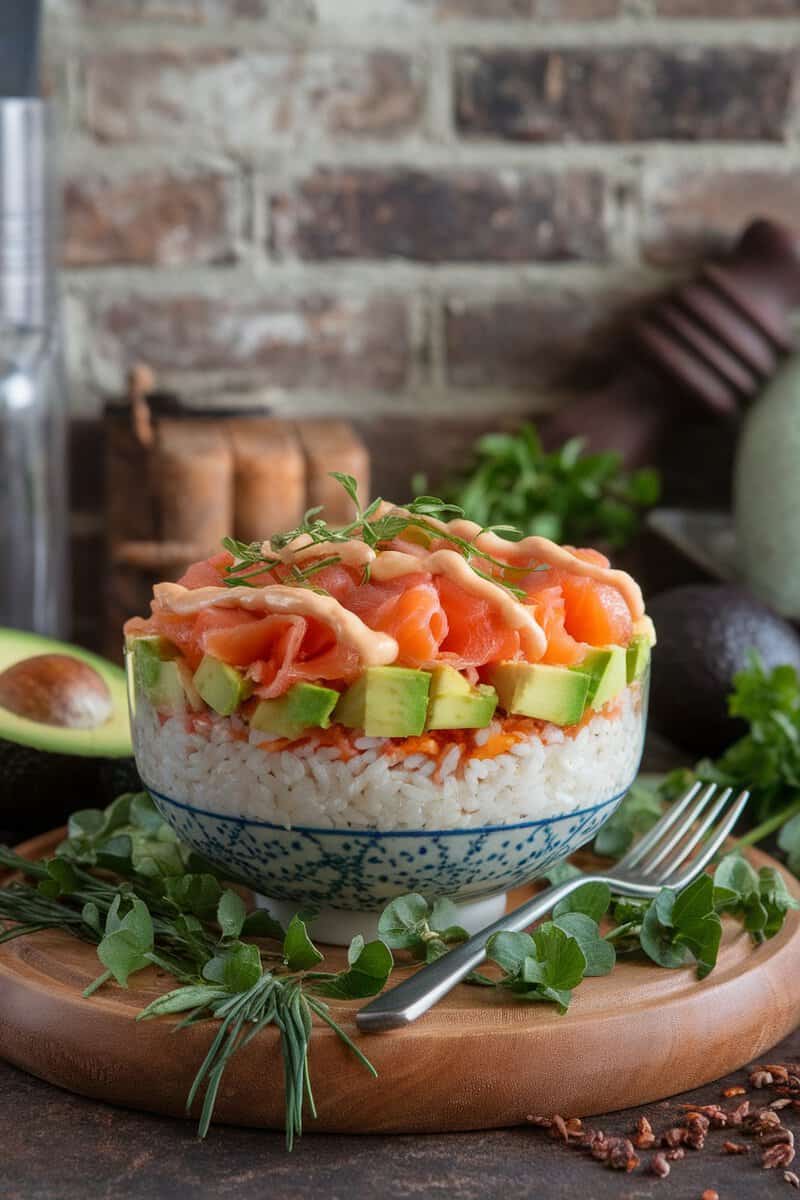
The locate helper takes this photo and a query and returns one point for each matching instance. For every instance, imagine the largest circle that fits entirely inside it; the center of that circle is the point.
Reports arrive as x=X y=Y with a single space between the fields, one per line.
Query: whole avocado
x=704 y=634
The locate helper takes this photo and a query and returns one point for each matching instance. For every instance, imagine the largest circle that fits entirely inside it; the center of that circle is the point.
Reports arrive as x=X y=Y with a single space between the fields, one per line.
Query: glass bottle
x=33 y=410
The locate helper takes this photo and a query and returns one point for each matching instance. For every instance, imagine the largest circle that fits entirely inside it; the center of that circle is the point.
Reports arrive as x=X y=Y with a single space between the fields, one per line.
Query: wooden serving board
x=476 y=1061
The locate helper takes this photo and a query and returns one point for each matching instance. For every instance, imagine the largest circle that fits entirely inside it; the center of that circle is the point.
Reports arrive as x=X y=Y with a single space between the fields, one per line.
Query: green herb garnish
x=375 y=531
x=567 y=495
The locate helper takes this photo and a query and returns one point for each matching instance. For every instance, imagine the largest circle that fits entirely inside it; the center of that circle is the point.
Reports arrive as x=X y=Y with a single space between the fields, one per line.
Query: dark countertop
x=56 y=1146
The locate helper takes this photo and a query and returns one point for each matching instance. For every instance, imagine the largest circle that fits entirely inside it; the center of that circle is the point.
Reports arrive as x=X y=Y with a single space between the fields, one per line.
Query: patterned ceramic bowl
x=212 y=786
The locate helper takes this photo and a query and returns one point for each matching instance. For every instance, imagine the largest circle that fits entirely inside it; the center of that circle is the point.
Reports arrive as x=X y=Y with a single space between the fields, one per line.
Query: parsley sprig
x=376 y=530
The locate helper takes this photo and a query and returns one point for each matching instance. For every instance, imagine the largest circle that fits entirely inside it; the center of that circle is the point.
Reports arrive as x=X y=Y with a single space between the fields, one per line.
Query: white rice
x=313 y=785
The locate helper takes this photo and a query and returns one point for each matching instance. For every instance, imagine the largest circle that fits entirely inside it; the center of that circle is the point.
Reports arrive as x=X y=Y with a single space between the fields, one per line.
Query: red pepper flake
x=728 y=1092
x=644 y=1137
x=710 y=1194
x=735 y=1148
x=623 y=1157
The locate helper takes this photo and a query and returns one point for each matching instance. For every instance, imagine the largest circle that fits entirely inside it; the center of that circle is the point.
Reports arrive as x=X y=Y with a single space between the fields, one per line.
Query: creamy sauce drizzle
x=373 y=649
x=380 y=649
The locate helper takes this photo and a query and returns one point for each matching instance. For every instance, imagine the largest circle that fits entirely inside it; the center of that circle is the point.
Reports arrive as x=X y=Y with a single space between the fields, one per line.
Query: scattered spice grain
x=792 y=1179
x=659 y=1165
x=735 y=1148
x=728 y=1092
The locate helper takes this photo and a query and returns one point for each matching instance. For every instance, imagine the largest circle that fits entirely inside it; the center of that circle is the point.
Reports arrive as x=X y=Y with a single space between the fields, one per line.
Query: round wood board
x=476 y=1061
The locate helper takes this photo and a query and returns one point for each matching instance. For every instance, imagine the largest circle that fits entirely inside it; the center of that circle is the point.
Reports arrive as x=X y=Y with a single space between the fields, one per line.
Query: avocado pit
x=55 y=689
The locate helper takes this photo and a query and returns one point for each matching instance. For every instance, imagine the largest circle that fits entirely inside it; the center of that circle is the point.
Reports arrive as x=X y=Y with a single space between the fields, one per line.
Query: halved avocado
x=65 y=738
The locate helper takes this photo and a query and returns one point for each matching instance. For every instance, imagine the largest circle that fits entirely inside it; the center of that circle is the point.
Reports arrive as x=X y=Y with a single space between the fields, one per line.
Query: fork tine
x=712 y=845
x=683 y=830
x=668 y=863
x=665 y=823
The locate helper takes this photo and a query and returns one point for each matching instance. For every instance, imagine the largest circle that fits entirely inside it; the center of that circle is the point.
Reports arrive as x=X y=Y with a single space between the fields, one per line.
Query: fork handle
x=414 y=996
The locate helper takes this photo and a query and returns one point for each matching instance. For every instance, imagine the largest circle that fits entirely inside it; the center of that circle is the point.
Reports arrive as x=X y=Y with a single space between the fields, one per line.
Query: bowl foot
x=338 y=926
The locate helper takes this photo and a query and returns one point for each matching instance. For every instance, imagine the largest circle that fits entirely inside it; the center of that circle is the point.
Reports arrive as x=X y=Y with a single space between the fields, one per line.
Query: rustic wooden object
x=333 y=446
x=476 y=1061
x=270 y=483
x=713 y=341
x=192 y=474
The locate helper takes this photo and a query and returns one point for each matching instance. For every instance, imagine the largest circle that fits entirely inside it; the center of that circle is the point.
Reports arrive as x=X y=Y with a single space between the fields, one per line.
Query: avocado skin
x=38 y=789
x=704 y=634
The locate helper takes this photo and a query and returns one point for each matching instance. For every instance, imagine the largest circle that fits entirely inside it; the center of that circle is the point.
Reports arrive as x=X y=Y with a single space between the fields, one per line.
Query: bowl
x=194 y=768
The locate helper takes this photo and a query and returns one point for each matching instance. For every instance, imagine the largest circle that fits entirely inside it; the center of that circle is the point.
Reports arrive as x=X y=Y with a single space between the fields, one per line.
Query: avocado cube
x=386 y=702
x=637 y=658
x=173 y=688
x=454 y=703
x=304 y=706
x=148 y=655
x=607 y=671
x=222 y=687
x=548 y=693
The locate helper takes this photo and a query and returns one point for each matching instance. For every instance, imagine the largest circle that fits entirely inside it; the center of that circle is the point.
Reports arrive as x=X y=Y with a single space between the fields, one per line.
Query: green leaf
x=657 y=935
x=560 y=872
x=198 y=894
x=599 y=954
x=236 y=966
x=776 y=900
x=61 y=879
x=591 y=899
x=789 y=842
x=370 y=966
x=402 y=920
x=181 y=1000
x=299 y=951
x=735 y=874
x=144 y=814
x=561 y=956
x=444 y=915
x=231 y=913
x=509 y=950
x=260 y=924
x=128 y=940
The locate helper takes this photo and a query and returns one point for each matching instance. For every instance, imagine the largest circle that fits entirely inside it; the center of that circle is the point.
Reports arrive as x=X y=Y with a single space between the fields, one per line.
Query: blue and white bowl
x=220 y=795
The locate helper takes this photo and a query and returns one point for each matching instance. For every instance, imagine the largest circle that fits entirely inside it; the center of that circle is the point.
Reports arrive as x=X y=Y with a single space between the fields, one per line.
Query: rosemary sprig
x=190 y=924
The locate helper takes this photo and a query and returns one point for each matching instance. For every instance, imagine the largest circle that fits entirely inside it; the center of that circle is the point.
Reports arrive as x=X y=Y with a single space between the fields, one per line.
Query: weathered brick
x=148 y=217
x=541 y=10
x=311 y=341
x=235 y=99
x=625 y=93
x=518 y=341
x=453 y=216
x=727 y=8
x=689 y=213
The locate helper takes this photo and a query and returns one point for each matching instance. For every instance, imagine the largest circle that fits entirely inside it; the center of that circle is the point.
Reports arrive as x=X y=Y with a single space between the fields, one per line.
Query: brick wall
x=383 y=205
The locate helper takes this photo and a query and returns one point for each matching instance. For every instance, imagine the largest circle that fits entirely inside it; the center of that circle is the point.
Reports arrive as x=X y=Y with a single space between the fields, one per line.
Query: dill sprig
x=375 y=531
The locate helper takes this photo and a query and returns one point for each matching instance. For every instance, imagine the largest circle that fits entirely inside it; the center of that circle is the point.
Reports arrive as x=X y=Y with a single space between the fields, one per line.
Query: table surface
x=61 y=1147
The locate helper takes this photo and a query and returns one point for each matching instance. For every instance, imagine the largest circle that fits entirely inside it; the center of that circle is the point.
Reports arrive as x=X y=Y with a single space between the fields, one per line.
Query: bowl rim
x=472 y=830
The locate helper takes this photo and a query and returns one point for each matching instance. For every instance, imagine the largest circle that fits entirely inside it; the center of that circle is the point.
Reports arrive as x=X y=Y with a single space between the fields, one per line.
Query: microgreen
x=415 y=519
x=566 y=495
x=409 y=923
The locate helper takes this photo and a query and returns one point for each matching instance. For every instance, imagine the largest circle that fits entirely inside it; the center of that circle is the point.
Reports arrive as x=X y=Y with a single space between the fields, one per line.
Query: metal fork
x=659 y=859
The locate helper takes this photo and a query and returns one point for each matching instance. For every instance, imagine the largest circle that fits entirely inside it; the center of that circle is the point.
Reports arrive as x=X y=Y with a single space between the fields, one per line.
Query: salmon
x=432 y=619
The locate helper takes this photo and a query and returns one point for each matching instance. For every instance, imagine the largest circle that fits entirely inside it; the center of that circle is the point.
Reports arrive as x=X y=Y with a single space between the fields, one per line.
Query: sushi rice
x=218 y=765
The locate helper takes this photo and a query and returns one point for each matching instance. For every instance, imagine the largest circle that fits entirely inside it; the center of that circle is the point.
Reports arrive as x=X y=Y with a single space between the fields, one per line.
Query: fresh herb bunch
x=371 y=527
x=565 y=495
x=156 y=903
x=163 y=911
x=766 y=760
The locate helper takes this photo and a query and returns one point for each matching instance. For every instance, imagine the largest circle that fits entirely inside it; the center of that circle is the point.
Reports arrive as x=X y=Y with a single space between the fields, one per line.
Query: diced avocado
x=453 y=703
x=637 y=658
x=549 y=693
x=386 y=702
x=173 y=688
x=148 y=655
x=303 y=706
x=607 y=671
x=222 y=687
